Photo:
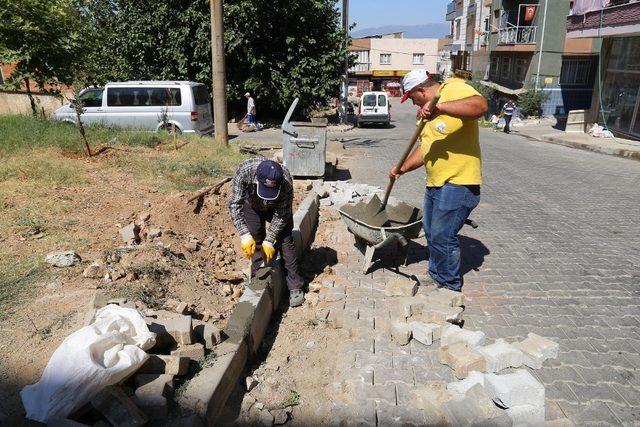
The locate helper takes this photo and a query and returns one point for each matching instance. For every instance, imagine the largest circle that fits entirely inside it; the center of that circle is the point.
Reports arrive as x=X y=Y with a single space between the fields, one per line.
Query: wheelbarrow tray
x=375 y=235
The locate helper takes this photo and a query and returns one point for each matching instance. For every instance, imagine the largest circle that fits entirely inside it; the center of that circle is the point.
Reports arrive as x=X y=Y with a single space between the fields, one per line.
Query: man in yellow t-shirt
x=450 y=152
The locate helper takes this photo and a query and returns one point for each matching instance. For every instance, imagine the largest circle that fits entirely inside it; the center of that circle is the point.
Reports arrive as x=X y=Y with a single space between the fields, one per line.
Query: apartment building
x=467 y=43
x=383 y=60
x=529 y=50
x=618 y=23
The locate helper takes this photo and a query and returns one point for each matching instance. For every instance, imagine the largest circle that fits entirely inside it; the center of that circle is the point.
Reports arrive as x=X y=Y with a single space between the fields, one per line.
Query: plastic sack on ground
x=599 y=131
x=96 y=356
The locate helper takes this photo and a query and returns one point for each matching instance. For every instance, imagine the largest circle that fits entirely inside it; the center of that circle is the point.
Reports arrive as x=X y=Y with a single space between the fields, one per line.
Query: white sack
x=96 y=356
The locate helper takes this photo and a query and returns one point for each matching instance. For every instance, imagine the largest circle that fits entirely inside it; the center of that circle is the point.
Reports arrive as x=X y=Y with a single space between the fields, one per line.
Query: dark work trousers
x=507 y=121
x=256 y=222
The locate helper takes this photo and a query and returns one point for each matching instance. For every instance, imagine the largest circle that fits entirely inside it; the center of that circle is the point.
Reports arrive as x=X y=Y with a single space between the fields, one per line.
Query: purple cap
x=269 y=177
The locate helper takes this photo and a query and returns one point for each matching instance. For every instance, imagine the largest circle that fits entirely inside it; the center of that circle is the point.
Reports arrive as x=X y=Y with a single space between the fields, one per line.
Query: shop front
x=389 y=81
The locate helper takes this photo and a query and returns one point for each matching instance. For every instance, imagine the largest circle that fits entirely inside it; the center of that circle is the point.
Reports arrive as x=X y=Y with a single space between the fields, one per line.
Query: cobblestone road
x=557 y=253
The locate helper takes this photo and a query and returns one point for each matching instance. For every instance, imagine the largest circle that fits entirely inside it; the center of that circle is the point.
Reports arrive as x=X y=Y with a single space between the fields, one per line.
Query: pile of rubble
x=183 y=346
x=339 y=193
x=515 y=397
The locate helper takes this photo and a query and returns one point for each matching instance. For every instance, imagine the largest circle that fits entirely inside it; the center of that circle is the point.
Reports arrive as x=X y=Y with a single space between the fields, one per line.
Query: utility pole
x=344 y=90
x=219 y=73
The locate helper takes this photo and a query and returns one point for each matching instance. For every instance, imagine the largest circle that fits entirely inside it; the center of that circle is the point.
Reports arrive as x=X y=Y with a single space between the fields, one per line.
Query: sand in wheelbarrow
x=397 y=214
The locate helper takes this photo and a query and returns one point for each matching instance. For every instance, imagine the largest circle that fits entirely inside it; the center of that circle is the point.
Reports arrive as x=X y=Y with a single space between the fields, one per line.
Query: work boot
x=296 y=297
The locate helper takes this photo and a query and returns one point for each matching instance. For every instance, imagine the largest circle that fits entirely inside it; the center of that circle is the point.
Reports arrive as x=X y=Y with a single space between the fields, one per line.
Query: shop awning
x=503 y=89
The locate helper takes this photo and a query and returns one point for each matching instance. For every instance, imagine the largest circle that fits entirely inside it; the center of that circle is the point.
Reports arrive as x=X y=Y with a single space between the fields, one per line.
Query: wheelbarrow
x=370 y=238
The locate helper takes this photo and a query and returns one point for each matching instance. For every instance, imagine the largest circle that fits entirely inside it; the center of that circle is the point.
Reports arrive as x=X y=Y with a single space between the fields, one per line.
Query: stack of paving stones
x=182 y=344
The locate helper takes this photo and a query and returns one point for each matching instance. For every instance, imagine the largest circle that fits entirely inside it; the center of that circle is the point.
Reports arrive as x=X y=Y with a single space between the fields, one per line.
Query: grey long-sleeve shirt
x=244 y=188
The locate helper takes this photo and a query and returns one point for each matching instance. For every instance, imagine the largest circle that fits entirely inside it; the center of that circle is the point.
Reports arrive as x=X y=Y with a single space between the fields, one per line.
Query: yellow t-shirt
x=451 y=146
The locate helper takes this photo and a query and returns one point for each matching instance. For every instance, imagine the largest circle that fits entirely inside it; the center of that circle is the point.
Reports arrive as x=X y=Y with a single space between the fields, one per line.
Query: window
x=505 y=68
x=382 y=100
x=521 y=69
x=495 y=63
x=200 y=95
x=418 y=58
x=369 y=100
x=385 y=58
x=143 y=97
x=575 y=72
x=92 y=98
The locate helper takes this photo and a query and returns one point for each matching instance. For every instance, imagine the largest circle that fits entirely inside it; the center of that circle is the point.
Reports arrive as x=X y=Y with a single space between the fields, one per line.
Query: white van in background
x=374 y=108
x=145 y=105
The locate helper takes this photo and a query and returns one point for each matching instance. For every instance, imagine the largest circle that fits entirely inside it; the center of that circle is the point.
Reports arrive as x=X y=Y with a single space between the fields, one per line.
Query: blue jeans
x=445 y=210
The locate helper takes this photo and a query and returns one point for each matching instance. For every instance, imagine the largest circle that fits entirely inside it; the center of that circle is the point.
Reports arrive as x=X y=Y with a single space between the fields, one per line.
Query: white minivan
x=374 y=108
x=145 y=105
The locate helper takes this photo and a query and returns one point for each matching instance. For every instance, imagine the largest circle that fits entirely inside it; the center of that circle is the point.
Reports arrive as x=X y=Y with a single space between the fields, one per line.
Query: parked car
x=374 y=108
x=145 y=105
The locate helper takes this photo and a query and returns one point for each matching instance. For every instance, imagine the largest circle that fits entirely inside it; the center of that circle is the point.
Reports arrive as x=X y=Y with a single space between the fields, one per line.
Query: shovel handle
x=408 y=150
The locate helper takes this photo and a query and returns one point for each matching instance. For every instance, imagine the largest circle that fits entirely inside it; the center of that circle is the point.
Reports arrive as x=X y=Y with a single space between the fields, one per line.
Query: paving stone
x=459 y=388
x=447 y=297
x=162 y=364
x=500 y=355
x=114 y=404
x=151 y=394
x=171 y=331
x=425 y=333
x=430 y=397
x=391 y=415
x=560 y=390
x=378 y=393
x=461 y=359
x=452 y=334
x=206 y=333
x=401 y=286
x=440 y=314
x=519 y=388
x=390 y=375
x=589 y=413
x=401 y=332
x=353 y=414
x=192 y=351
x=628 y=416
x=476 y=407
x=536 y=350
x=592 y=392
x=526 y=415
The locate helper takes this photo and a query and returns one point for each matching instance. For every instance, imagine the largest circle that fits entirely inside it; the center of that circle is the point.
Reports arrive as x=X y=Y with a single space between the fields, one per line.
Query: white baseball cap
x=413 y=79
x=247 y=94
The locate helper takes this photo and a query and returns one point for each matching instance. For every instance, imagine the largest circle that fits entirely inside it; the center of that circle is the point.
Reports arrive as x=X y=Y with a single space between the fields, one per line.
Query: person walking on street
x=251 y=111
x=508 y=109
x=450 y=151
x=262 y=191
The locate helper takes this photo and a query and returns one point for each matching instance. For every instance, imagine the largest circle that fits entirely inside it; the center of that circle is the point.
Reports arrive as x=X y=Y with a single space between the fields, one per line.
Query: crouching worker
x=263 y=192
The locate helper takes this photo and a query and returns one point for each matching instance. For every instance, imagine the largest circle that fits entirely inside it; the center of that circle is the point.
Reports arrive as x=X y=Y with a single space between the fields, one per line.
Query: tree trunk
x=32 y=100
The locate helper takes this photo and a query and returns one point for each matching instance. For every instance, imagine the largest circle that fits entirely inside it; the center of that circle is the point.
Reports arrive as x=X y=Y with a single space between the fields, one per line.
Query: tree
x=41 y=37
x=276 y=49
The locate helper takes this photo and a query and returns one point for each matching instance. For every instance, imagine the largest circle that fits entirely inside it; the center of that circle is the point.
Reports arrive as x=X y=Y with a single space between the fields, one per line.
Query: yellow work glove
x=268 y=252
x=248 y=245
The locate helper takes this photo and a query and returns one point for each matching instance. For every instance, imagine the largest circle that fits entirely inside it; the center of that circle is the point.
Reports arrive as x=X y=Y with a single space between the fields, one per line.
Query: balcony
x=360 y=67
x=619 y=19
x=452 y=12
x=517 y=35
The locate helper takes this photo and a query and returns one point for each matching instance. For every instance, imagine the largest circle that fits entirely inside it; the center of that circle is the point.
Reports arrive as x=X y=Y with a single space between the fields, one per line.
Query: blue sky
x=376 y=13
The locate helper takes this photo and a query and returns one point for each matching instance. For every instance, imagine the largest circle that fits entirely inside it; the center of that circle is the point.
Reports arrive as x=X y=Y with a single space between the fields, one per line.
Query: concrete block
x=206 y=333
x=460 y=388
x=474 y=409
x=519 y=388
x=113 y=403
x=526 y=415
x=152 y=393
x=161 y=364
x=431 y=397
x=461 y=359
x=536 y=350
x=207 y=393
x=425 y=333
x=171 y=330
x=500 y=355
x=400 y=332
x=452 y=334
x=440 y=314
x=192 y=351
x=401 y=286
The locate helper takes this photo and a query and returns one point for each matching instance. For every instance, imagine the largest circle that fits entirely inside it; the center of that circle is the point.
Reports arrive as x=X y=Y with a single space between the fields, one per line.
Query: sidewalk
x=612 y=146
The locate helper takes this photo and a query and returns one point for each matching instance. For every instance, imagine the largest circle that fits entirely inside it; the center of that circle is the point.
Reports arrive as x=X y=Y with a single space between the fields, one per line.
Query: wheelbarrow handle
x=408 y=150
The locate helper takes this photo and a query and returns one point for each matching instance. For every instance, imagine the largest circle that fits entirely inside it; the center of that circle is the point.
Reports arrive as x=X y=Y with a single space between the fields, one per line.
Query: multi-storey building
x=383 y=60
x=618 y=79
x=529 y=50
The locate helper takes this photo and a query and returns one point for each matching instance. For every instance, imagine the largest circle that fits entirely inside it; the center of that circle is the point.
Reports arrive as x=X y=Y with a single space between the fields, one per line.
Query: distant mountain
x=425 y=31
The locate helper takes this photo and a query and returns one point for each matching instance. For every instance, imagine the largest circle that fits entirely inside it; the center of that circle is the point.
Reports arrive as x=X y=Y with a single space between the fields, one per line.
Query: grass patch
x=17 y=276
x=292 y=399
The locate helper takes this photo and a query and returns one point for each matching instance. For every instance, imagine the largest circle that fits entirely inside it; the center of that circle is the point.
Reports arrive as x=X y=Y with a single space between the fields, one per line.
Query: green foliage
x=40 y=36
x=530 y=102
x=276 y=49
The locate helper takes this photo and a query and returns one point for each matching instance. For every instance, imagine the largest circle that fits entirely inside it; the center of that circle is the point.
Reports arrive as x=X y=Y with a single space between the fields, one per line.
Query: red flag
x=529 y=13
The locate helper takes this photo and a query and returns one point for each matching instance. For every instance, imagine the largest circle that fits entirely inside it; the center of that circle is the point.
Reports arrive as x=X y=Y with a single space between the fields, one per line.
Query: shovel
x=374 y=213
